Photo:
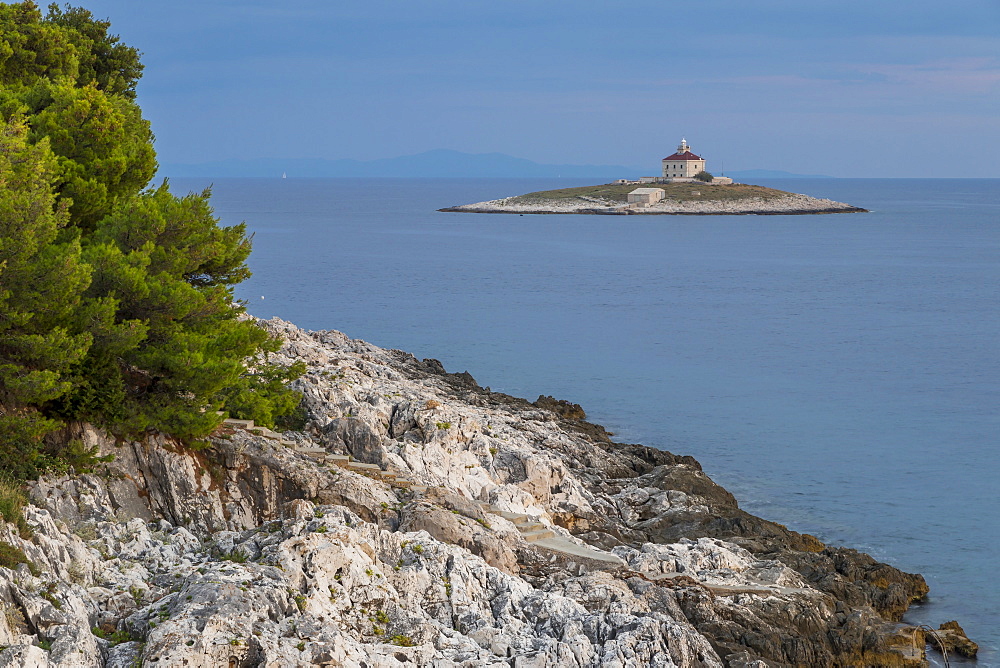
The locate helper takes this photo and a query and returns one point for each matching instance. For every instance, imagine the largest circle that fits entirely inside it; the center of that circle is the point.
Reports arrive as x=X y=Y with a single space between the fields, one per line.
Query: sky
x=862 y=88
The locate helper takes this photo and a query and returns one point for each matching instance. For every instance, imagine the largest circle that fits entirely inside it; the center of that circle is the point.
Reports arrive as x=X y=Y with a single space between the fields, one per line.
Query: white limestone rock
x=263 y=555
x=711 y=561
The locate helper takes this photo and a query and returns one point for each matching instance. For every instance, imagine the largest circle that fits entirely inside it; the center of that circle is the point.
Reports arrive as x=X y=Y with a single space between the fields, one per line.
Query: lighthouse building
x=681 y=167
x=683 y=164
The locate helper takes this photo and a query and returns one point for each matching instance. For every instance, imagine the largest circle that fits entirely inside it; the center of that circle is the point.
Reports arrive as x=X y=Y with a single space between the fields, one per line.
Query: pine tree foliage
x=101 y=57
x=103 y=144
x=169 y=268
x=42 y=281
x=42 y=277
x=116 y=301
x=31 y=48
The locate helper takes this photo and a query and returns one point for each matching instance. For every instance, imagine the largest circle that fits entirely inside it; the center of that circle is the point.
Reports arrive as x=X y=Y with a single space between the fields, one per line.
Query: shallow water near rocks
x=839 y=374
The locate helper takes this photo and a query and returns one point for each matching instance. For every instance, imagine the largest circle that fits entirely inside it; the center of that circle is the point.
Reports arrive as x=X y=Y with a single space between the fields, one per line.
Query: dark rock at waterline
x=952 y=636
x=561 y=407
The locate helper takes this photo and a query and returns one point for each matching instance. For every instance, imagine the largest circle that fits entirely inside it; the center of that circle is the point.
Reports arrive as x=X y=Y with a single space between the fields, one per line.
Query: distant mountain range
x=437 y=163
x=772 y=174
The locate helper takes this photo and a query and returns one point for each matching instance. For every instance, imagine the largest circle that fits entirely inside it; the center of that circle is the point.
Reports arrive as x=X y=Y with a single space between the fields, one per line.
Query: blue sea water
x=839 y=374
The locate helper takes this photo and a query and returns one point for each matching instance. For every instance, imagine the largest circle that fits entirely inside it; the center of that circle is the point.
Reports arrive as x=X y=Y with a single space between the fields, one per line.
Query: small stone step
x=312 y=452
x=532 y=536
x=339 y=460
x=361 y=466
x=239 y=424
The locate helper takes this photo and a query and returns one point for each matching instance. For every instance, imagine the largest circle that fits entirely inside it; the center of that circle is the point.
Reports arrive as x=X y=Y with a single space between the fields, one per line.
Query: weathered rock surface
x=952 y=636
x=251 y=554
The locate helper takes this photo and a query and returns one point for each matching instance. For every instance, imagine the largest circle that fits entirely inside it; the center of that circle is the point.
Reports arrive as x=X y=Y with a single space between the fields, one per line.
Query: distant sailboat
x=284 y=175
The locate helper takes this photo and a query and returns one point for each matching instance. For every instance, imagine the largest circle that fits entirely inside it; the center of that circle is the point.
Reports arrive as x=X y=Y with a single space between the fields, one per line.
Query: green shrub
x=113 y=637
x=236 y=556
x=293 y=421
x=77 y=456
x=11 y=556
x=12 y=502
x=21 y=446
x=49 y=594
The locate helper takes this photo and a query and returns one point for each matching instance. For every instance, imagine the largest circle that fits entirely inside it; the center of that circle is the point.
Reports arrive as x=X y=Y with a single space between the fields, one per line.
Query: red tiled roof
x=687 y=155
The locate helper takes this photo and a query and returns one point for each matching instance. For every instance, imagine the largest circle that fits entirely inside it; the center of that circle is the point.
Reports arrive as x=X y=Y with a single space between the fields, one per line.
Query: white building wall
x=645 y=196
x=682 y=168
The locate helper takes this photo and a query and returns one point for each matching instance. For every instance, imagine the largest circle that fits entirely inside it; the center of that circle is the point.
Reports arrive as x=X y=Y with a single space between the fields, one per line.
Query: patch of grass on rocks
x=11 y=556
x=12 y=502
x=681 y=192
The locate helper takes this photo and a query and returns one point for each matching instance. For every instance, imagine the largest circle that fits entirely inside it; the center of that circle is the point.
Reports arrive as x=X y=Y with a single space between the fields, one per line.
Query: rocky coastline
x=391 y=530
x=790 y=204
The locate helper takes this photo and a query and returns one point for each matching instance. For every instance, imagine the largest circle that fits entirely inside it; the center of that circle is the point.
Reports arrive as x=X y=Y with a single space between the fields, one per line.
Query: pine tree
x=169 y=269
x=116 y=302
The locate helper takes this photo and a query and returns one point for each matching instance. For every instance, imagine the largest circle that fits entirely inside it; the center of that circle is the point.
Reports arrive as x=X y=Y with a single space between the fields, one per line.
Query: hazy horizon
x=428 y=164
x=845 y=89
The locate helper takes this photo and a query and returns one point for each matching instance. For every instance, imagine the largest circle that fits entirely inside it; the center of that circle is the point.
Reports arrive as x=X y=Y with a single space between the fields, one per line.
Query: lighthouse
x=683 y=164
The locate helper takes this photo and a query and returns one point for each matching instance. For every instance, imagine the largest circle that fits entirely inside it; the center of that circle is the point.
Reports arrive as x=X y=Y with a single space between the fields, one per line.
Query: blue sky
x=847 y=88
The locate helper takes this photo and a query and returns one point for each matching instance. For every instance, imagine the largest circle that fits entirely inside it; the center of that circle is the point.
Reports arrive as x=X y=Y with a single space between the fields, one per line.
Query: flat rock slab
x=564 y=546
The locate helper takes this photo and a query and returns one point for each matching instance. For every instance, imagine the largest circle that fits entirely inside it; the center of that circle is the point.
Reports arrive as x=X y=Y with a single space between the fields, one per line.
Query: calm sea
x=840 y=374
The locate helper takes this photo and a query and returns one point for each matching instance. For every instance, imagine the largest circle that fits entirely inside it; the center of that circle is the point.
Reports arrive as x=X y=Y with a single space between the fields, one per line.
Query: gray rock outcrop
x=251 y=553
